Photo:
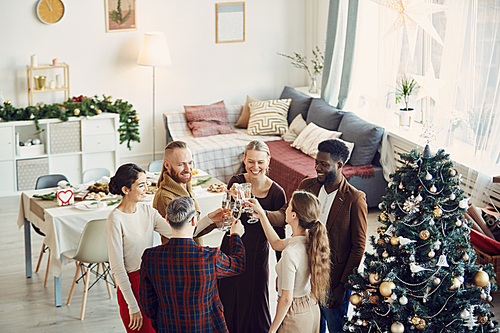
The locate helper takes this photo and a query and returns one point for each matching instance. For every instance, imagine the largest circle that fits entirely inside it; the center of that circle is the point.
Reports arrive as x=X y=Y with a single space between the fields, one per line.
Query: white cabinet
x=69 y=148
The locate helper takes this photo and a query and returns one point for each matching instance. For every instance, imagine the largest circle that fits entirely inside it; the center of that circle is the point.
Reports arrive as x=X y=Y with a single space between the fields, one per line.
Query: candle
x=54 y=61
x=34 y=61
x=58 y=81
x=52 y=84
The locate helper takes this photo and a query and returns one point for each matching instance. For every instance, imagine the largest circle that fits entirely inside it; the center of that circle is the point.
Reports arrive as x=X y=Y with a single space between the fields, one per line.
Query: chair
x=92 y=252
x=94 y=174
x=155 y=166
x=42 y=182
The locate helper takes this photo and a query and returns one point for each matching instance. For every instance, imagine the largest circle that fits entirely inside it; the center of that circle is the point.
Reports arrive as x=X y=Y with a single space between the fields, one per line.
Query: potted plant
x=299 y=61
x=405 y=88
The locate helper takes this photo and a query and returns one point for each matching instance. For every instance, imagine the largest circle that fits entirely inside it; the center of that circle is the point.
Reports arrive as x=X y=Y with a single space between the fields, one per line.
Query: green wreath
x=80 y=106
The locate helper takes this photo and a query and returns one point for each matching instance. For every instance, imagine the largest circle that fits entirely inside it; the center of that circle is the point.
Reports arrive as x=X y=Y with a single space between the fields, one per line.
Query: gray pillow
x=366 y=138
x=324 y=115
x=300 y=103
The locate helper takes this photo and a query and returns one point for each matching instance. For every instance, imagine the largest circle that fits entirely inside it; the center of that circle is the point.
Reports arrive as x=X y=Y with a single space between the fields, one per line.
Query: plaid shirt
x=178 y=289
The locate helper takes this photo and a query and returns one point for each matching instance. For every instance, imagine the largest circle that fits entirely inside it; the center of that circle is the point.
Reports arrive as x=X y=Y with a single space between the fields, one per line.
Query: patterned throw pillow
x=309 y=139
x=205 y=120
x=269 y=117
x=297 y=126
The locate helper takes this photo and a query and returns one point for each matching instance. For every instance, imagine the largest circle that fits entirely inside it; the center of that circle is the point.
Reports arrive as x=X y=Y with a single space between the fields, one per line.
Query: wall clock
x=50 y=11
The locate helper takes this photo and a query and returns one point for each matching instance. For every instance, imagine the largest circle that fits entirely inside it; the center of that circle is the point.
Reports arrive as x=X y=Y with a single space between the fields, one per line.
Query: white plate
x=200 y=173
x=88 y=205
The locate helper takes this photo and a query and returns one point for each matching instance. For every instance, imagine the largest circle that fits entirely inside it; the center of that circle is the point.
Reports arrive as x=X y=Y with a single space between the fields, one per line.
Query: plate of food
x=150 y=193
x=216 y=188
x=82 y=205
x=99 y=196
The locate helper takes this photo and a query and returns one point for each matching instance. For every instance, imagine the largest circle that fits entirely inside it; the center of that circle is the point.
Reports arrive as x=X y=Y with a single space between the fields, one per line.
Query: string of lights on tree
x=80 y=106
x=422 y=276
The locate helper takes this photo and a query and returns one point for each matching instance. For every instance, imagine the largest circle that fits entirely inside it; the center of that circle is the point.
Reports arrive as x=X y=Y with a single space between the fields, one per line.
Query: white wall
x=202 y=71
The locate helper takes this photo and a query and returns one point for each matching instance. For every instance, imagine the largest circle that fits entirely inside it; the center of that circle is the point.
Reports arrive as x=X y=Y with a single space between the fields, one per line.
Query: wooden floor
x=26 y=306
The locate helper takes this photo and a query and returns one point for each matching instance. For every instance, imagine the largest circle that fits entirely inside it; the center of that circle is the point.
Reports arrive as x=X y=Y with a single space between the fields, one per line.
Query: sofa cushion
x=205 y=120
x=269 y=117
x=245 y=113
x=322 y=113
x=300 y=103
x=309 y=139
x=365 y=136
x=297 y=126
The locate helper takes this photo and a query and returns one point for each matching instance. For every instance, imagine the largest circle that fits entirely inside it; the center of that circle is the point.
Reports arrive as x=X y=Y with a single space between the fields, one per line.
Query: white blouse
x=293 y=269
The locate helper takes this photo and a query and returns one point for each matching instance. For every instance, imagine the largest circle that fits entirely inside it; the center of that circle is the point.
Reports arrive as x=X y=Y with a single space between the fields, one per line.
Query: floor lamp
x=154 y=53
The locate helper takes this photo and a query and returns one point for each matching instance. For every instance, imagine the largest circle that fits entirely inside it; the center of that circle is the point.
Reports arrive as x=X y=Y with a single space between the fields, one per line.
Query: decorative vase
x=405 y=117
x=313 y=88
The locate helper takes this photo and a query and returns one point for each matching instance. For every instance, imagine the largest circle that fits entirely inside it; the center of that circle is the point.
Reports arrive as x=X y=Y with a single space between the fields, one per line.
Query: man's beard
x=329 y=178
x=178 y=178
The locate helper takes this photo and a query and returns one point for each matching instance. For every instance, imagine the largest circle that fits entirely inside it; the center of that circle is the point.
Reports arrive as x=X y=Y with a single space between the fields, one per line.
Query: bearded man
x=343 y=211
x=175 y=181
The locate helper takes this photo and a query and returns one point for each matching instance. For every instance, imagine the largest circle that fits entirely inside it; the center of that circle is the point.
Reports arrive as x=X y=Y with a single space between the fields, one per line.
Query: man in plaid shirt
x=178 y=288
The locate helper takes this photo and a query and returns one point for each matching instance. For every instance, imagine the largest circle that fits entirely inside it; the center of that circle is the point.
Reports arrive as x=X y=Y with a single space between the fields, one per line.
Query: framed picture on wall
x=120 y=15
x=230 y=22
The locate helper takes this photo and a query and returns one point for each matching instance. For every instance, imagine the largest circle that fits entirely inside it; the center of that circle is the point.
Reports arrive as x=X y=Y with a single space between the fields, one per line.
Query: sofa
x=222 y=155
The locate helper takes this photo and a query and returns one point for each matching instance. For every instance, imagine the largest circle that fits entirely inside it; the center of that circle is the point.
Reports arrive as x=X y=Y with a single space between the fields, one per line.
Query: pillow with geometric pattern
x=269 y=117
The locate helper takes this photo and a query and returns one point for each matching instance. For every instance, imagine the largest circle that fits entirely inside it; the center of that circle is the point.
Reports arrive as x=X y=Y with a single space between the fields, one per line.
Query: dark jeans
x=333 y=317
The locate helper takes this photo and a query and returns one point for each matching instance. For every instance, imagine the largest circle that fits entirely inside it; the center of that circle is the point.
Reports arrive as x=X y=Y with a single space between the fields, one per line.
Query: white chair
x=155 y=166
x=92 y=252
x=94 y=174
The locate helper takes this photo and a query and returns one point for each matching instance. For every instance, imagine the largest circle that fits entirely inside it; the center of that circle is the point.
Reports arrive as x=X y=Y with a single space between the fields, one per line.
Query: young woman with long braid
x=304 y=268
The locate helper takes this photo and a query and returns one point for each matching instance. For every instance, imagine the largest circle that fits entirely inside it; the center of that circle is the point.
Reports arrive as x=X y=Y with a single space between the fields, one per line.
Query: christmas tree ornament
x=365 y=323
x=438 y=212
x=464 y=314
x=432 y=222
x=419 y=198
x=120 y=132
x=416 y=268
x=481 y=278
x=109 y=100
x=374 y=278
x=483 y=295
x=380 y=242
x=489 y=299
x=385 y=254
x=420 y=325
x=98 y=111
x=442 y=262
x=458 y=223
x=129 y=120
x=390 y=231
x=404 y=241
x=482 y=319
x=465 y=257
x=397 y=327
x=8 y=102
x=415 y=320
x=436 y=281
x=428 y=176
x=455 y=283
x=356 y=299
x=411 y=205
x=393 y=205
x=401 y=186
x=137 y=118
x=32 y=116
x=403 y=300
x=464 y=203
x=424 y=234
x=452 y=196
x=431 y=254
x=383 y=217
x=453 y=172
x=381 y=206
x=437 y=244
x=373 y=299
x=433 y=189
x=92 y=106
x=76 y=112
x=395 y=240
x=394 y=296
x=386 y=288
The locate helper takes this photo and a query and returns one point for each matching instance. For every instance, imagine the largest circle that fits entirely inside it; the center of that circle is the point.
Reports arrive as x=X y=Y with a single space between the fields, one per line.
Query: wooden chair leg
x=85 y=292
x=106 y=280
x=47 y=271
x=40 y=258
x=97 y=270
x=74 y=283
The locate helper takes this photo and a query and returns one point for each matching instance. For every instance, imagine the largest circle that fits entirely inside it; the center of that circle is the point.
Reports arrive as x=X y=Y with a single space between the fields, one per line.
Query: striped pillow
x=269 y=117
x=309 y=139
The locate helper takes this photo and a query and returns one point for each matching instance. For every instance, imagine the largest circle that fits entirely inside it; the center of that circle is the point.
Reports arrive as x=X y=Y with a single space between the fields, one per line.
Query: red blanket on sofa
x=289 y=166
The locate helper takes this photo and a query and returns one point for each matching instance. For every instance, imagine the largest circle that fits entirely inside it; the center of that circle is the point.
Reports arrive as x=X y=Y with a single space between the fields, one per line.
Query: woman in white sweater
x=304 y=268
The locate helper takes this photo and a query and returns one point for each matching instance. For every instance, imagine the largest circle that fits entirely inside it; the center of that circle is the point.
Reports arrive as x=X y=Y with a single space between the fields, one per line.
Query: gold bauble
x=385 y=254
x=98 y=111
x=373 y=299
x=374 y=278
x=481 y=278
x=397 y=327
x=120 y=132
x=482 y=319
x=420 y=325
x=365 y=323
x=8 y=102
x=110 y=100
x=76 y=112
x=437 y=281
x=395 y=240
x=383 y=217
x=401 y=186
x=386 y=288
x=415 y=320
x=137 y=118
x=356 y=299
x=424 y=234
x=438 y=212
x=431 y=254
x=380 y=242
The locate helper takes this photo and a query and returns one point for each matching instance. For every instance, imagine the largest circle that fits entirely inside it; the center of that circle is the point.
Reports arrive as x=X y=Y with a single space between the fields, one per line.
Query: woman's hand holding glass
x=257 y=209
x=246 y=194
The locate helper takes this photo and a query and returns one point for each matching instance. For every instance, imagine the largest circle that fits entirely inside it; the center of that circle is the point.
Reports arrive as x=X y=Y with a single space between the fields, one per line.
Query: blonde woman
x=304 y=268
x=246 y=297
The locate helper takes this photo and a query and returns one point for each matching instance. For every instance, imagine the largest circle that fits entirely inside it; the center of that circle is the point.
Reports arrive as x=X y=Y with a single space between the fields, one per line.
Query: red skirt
x=134 y=278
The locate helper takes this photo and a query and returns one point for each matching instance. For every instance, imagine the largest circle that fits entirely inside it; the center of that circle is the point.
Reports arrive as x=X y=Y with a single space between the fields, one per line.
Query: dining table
x=63 y=225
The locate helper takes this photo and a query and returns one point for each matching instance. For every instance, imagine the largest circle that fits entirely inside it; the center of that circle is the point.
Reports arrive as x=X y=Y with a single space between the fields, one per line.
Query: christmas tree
x=422 y=276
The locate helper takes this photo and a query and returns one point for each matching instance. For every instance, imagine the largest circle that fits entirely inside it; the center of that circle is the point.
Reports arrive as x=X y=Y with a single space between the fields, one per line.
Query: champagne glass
x=246 y=193
x=227 y=211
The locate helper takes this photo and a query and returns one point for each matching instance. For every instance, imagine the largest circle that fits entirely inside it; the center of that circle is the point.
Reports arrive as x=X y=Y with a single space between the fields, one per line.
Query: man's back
x=179 y=283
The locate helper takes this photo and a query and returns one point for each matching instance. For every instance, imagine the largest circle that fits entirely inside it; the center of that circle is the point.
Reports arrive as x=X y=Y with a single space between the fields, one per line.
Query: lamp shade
x=154 y=50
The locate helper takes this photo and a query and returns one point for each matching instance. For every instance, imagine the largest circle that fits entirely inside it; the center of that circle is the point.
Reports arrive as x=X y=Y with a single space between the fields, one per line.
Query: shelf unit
x=31 y=87
x=69 y=148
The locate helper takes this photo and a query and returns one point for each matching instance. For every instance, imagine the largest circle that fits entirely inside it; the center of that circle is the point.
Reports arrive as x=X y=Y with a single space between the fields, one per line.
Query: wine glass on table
x=246 y=192
x=227 y=212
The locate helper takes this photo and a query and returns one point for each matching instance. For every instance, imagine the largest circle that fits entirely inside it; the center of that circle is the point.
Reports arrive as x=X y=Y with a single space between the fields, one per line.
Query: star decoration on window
x=429 y=85
x=412 y=14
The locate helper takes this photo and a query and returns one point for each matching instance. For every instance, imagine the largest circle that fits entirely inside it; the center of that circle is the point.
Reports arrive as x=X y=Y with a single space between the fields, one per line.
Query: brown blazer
x=346 y=227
